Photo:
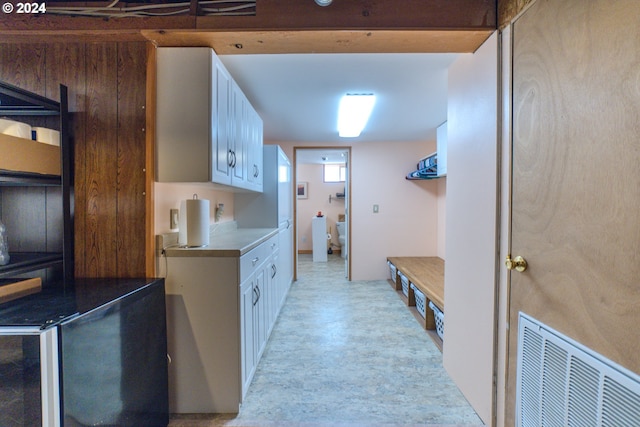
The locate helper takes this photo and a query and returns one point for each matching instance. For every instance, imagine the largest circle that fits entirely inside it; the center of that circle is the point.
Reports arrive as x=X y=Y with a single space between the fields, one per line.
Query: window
x=335 y=173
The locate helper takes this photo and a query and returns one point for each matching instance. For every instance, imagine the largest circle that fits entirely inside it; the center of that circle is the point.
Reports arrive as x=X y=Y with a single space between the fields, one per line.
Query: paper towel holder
x=194 y=223
x=219 y=211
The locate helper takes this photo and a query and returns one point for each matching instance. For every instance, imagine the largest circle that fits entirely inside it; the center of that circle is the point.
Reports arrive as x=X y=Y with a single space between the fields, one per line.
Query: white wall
x=168 y=196
x=407 y=224
x=442 y=217
x=471 y=228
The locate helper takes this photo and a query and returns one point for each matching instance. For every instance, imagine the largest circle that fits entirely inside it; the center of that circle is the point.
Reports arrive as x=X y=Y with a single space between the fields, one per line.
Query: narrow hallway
x=345 y=354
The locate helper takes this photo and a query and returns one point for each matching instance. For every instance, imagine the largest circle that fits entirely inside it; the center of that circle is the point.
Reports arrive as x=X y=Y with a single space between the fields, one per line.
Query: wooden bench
x=426 y=274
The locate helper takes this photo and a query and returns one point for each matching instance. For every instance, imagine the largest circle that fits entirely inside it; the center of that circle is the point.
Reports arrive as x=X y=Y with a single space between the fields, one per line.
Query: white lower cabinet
x=258 y=314
x=220 y=313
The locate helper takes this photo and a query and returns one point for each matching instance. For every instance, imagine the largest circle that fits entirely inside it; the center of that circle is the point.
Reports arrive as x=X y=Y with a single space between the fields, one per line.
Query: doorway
x=572 y=217
x=318 y=192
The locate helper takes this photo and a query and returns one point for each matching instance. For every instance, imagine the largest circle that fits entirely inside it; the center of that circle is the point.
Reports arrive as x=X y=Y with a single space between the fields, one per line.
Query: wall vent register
x=562 y=383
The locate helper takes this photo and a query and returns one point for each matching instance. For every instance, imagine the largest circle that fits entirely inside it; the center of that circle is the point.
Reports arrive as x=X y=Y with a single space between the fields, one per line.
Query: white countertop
x=233 y=243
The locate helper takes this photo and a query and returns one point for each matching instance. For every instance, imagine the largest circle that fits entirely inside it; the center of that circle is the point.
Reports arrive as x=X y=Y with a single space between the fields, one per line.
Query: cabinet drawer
x=273 y=245
x=253 y=259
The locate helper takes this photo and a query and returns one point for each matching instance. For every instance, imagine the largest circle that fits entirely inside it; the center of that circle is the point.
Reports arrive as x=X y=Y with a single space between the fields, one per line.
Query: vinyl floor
x=345 y=354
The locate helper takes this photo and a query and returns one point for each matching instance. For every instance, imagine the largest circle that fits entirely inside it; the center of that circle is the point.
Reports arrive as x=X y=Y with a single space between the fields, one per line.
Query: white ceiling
x=297 y=95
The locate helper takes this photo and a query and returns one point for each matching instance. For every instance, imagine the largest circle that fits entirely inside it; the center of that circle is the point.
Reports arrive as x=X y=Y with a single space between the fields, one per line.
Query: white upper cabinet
x=247 y=142
x=441 y=141
x=184 y=108
x=205 y=124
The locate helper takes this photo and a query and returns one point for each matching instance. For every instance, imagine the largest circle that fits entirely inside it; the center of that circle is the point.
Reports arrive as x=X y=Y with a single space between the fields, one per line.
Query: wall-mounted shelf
x=339 y=196
x=427 y=168
x=421 y=176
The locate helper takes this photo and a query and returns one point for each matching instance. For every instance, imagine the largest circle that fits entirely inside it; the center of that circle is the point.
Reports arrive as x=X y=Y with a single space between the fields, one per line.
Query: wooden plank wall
x=107 y=97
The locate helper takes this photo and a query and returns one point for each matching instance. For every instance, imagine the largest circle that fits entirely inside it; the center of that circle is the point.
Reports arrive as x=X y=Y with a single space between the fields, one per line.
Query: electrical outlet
x=173 y=221
x=376 y=208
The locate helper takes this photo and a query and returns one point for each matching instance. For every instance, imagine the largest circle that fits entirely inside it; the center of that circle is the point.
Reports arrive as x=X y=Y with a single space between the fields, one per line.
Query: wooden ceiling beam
x=315 y=41
x=285 y=26
x=361 y=14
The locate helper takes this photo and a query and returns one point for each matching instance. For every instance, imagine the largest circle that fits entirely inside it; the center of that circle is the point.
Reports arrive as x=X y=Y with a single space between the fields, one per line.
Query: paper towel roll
x=197 y=222
x=182 y=224
x=13 y=128
x=46 y=136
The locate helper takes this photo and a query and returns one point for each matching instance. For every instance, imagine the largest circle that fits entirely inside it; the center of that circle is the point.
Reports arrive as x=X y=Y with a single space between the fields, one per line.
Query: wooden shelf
x=29 y=261
x=17 y=288
x=29 y=157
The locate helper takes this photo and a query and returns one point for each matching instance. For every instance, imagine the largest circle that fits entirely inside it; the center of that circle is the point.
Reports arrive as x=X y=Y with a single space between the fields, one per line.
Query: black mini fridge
x=99 y=358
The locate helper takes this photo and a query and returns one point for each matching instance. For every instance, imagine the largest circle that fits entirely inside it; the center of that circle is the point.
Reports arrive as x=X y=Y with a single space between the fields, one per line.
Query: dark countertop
x=55 y=305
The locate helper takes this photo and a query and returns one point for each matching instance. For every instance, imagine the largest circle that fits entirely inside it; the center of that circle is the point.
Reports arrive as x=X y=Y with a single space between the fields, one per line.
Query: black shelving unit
x=15 y=101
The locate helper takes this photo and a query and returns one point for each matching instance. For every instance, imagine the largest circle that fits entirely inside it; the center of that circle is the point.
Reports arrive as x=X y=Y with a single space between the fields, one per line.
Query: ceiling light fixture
x=353 y=114
x=323 y=2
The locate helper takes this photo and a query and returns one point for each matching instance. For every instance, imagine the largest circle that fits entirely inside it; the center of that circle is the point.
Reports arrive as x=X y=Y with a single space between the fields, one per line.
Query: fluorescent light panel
x=353 y=114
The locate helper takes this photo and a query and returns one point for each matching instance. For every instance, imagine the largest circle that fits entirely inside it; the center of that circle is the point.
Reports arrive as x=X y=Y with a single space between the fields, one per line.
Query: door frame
x=347 y=201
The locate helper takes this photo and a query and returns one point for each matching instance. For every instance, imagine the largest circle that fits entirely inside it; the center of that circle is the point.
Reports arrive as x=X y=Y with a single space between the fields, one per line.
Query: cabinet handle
x=256 y=171
x=275 y=270
x=230 y=158
x=256 y=296
x=254 y=261
x=273 y=245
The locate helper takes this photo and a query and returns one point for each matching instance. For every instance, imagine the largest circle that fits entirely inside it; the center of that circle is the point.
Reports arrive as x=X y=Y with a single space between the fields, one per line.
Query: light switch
x=376 y=208
x=173 y=222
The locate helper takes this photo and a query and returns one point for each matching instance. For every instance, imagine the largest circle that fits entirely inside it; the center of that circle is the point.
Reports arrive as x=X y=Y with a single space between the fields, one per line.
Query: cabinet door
x=274 y=292
x=285 y=263
x=239 y=146
x=254 y=149
x=221 y=149
x=285 y=196
x=247 y=352
x=259 y=314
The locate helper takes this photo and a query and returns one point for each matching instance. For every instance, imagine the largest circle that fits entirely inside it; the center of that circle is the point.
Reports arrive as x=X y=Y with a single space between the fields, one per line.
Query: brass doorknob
x=518 y=263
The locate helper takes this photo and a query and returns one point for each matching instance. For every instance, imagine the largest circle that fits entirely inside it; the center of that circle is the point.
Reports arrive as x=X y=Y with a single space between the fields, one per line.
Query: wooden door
x=576 y=175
